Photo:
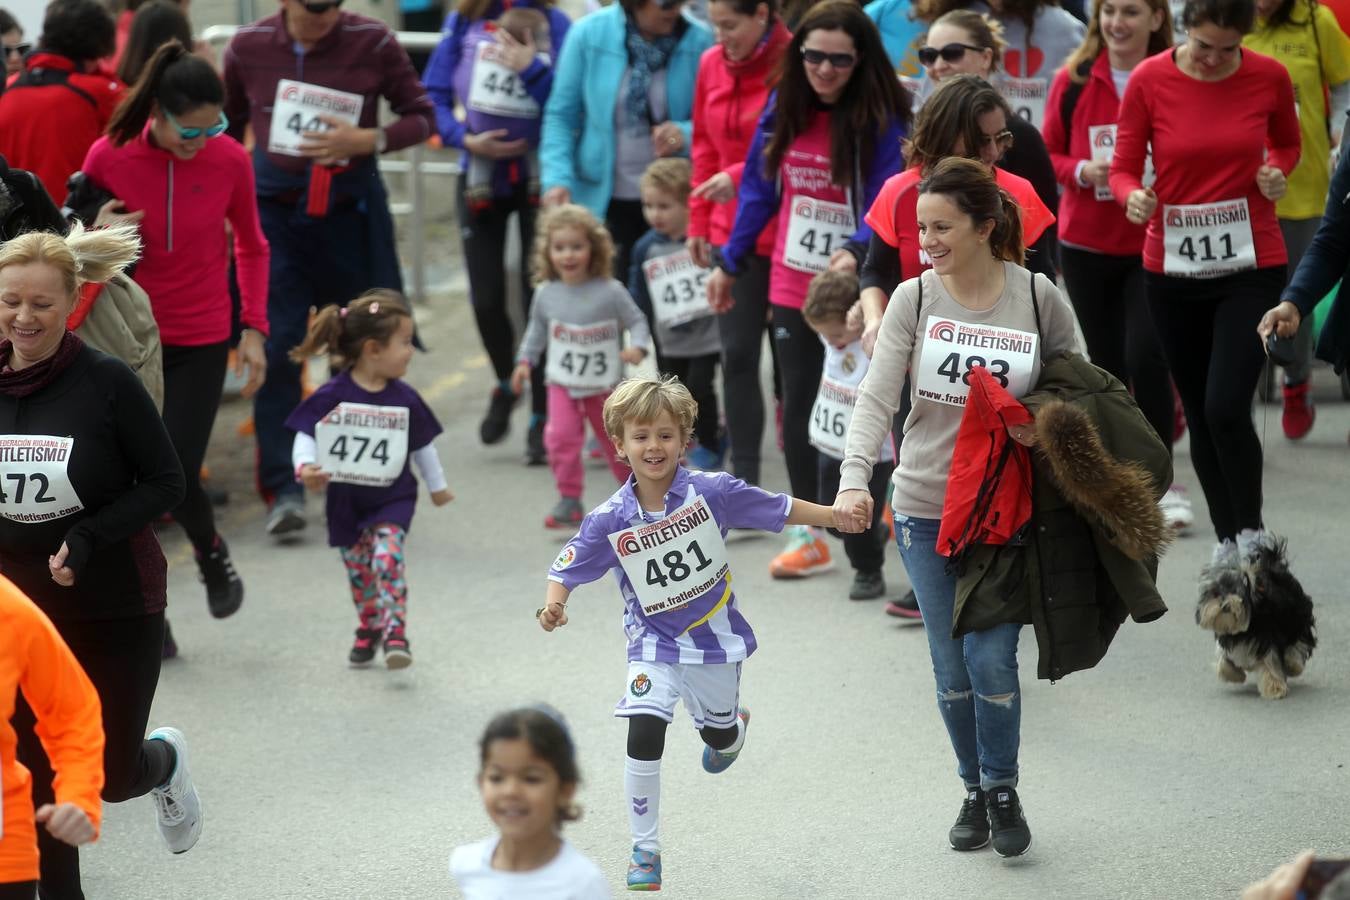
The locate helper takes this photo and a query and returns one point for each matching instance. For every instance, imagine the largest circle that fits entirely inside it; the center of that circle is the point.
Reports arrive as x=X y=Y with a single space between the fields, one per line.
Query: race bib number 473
x=583 y=357
x=34 y=482
x=360 y=443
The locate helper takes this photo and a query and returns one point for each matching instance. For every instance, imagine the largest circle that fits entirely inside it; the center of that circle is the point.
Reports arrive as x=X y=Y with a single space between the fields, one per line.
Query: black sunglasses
x=951 y=53
x=319 y=9
x=17 y=49
x=838 y=60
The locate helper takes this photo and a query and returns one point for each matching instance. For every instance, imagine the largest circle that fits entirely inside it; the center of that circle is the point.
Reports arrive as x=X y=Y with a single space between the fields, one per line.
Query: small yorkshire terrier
x=1261 y=617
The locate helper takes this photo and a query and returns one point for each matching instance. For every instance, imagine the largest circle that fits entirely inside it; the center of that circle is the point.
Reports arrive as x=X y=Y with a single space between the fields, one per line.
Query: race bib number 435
x=952 y=349
x=297 y=108
x=360 y=443
x=34 y=482
x=678 y=288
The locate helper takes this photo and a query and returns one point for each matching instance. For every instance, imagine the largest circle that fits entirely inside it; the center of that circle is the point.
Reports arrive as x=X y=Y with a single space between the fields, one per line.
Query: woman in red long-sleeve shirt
x=1224 y=135
x=166 y=160
x=1100 y=249
x=734 y=79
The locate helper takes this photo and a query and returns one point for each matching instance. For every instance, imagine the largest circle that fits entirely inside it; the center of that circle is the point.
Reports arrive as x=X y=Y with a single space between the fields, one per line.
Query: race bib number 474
x=360 y=443
x=34 y=482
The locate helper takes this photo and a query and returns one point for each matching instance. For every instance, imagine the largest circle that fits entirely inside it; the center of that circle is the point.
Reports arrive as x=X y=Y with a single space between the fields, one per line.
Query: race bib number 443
x=674 y=561
x=297 y=108
x=952 y=349
x=34 y=482
x=583 y=357
x=496 y=89
x=360 y=443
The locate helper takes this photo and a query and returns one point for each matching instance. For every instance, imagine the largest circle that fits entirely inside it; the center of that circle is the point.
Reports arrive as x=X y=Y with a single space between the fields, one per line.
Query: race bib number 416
x=360 y=443
x=34 y=482
x=952 y=349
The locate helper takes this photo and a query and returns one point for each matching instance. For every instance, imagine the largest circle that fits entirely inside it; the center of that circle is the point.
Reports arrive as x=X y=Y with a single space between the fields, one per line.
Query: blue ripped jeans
x=976 y=674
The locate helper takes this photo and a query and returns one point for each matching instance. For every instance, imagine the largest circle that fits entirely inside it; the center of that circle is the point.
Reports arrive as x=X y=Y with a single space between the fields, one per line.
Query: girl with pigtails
x=354 y=438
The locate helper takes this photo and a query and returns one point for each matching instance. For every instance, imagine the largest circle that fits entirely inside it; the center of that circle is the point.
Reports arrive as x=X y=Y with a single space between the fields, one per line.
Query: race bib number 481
x=360 y=443
x=952 y=349
x=34 y=482
x=674 y=561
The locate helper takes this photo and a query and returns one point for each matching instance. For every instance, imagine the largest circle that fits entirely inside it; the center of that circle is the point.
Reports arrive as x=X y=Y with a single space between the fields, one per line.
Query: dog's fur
x=1261 y=617
x=1116 y=494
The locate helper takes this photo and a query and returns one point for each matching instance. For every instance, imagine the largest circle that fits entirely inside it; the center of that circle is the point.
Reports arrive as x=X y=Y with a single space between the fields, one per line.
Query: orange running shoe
x=806 y=554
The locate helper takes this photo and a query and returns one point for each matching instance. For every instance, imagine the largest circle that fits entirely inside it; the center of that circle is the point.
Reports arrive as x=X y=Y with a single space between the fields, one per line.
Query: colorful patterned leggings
x=375 y=571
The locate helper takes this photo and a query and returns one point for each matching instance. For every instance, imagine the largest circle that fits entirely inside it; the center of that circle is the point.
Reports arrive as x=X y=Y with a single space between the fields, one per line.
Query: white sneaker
x=1176 y=509
x=176 y=803
x=1225 y=555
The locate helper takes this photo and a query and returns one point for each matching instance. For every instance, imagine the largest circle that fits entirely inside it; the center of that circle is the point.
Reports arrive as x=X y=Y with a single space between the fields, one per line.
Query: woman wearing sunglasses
x=826 y=143
x=963 y=42
x=1100 y=249
x=11 y=33
x=180 y=180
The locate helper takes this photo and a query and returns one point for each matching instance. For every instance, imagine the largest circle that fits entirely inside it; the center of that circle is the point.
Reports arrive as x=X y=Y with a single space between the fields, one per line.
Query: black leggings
x=193 y=379
x=802 y=356
x=626 y=224
x=866 y=551
x=121 y=658
x=699 y=373
x=742 y=331
x=18 y=890
x=1108 y=295
x=1208 y=331
x=484 y=236
x=647 y=737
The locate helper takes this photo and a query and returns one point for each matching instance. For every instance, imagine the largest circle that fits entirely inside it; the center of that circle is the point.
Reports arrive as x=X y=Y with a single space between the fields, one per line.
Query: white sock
x=1248 y=538
x=642 y=784
x=737 y=744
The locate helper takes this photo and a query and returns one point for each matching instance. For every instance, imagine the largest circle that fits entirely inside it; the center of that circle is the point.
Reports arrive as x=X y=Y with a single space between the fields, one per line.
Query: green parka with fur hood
x=1089 y=556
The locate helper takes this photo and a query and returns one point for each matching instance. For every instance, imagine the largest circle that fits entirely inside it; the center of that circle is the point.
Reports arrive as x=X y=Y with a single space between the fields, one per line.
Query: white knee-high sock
x=642 y=783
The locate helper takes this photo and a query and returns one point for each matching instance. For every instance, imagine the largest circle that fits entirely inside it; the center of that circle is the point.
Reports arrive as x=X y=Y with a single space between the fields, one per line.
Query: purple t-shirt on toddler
x=699 y=625
x=352 y=508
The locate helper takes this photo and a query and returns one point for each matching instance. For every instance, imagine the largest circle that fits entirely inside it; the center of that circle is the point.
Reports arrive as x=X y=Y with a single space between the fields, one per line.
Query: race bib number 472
x=34 y=482
x=360 y=443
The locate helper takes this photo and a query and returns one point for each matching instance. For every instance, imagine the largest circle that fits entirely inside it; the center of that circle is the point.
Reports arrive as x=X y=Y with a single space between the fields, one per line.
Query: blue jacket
x=1327 y=261
x=578 y=147
x=759 y=195
x=439 y=77
x=901 y=34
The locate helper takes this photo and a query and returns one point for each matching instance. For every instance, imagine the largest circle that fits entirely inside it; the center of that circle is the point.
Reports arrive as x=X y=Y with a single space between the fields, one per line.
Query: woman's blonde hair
x=1081 y=59
x=81 y=256
x=642 y=400
x=570 y=215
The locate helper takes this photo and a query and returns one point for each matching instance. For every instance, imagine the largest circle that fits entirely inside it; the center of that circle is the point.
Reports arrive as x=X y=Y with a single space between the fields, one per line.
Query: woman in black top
x=85 y=468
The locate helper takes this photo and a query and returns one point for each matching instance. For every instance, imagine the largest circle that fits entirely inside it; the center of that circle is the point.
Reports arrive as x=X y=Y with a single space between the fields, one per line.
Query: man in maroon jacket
x=309 y=80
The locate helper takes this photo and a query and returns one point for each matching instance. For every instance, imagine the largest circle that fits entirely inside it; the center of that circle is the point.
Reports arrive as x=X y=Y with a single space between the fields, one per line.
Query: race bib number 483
x=297 y=108
x=360 y=443
x=34 y=482
x=952 y=349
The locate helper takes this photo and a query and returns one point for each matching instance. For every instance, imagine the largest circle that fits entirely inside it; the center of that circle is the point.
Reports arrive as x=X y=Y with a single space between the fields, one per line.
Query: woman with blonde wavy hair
x=87 y=469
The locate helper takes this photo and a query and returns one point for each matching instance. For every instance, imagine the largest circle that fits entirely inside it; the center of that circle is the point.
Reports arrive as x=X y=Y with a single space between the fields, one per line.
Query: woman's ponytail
x=128 y=121
x=325 y=331
x=1006 y=239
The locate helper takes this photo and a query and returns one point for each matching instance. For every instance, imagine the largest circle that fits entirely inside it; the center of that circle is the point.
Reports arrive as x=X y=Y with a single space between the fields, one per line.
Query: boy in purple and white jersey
x=663 y=535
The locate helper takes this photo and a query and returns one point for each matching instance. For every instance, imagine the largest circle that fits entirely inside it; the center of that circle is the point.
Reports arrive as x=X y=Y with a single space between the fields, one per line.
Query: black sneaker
x=364 y=647
x=971 y=831
x=1012 y=837
x=907 y=607
x=497 y=421
x=287 y=515
x=170 y=648
x=224 y=589
x=397 y=653
x=867 y=586
x=535 y=454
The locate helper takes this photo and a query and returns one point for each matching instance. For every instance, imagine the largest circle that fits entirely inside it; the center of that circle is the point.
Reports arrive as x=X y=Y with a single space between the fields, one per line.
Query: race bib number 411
x=816 y=230
x=674 y=561
x=952 y=349
x=297 y=108
x=1207 y=240
x=360 y=443
x=34 y=482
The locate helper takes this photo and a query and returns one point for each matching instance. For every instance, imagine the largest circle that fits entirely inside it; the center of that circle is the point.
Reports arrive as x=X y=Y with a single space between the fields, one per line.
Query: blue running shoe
x=717 y=761
x=703 y=459
x=644 y=872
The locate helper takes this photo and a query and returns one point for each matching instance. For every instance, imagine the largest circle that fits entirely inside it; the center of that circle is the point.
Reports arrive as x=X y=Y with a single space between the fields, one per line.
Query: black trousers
x=801 y=357
x=626 y=224
x=193 y=379
x=1112 y=306
x=699 y=374
x=484 y=237
x=1208 y=331
x=742 y=331
x=18 y=890
x=121 y=658
x=867 y=551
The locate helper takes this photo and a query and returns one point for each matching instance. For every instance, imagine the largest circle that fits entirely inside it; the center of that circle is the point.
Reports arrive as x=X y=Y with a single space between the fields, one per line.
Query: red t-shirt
x=1208 y=140
x=894 y=215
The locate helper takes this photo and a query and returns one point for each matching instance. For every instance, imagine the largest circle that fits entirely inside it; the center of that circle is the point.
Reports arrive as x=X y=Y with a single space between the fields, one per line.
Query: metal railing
x=415 y=167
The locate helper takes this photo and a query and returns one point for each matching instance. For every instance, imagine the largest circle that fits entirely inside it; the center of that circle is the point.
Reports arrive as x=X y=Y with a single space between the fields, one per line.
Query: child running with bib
x=577 y=320
x=353 y=438
x=528 y=778
x=672 y=290
x=828 y=299
x=663 y=536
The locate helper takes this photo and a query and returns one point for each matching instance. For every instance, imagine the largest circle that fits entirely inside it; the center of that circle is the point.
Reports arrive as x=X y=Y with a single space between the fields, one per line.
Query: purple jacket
x=707 y=630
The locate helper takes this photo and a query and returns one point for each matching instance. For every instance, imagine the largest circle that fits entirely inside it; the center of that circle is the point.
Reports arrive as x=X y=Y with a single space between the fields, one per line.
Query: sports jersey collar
x=45 y=59
x=629 y=505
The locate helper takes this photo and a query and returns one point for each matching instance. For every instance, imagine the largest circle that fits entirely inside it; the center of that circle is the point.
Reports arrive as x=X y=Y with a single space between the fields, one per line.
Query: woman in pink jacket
x=173 y=174
x=734 y=78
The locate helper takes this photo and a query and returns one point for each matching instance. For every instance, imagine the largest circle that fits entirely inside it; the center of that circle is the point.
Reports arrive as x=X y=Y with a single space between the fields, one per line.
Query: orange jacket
x=69 y=723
